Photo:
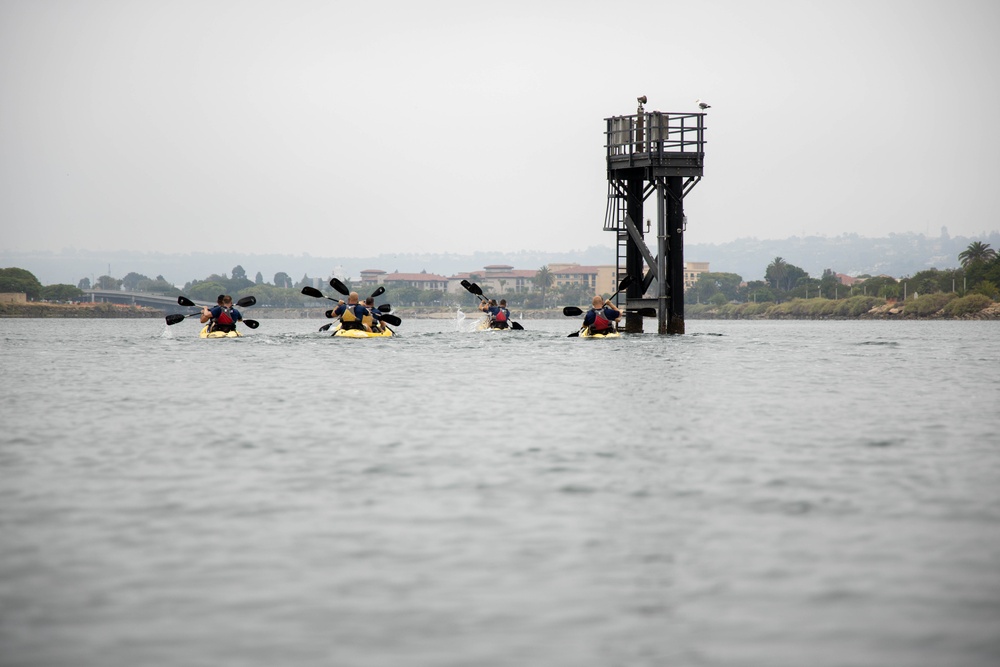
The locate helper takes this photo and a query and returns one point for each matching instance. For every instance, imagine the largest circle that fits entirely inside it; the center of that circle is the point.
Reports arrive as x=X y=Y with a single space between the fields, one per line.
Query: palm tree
x=543 y=281
x=776 y=272
x=977 y=252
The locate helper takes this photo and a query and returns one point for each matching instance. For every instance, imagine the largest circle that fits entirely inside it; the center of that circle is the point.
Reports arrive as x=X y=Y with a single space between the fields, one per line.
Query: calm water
x=752 y=493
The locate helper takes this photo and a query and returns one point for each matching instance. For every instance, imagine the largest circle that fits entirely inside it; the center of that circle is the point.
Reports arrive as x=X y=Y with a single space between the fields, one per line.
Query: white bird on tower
x=703 y=105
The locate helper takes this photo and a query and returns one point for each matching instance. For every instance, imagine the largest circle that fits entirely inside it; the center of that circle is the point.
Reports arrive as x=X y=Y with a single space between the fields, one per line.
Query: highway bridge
x=168 y=304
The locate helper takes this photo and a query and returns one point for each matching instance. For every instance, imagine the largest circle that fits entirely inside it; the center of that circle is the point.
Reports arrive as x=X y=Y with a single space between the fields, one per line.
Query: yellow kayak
x=361 y=333
x=220 y=334
x=585 y=333
x=484 y=325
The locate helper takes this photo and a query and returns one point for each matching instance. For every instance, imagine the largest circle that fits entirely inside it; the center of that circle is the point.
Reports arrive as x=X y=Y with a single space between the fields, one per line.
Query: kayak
x=484 y=325
x=585 y=333
x=361 y=333
x=220 y=334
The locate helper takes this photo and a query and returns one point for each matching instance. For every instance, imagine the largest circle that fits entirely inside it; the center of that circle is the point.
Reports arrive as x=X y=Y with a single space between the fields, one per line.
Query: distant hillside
x=896 y=255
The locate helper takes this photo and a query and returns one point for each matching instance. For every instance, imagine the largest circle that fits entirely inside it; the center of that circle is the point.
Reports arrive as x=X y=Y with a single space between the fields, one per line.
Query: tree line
x=979 y=273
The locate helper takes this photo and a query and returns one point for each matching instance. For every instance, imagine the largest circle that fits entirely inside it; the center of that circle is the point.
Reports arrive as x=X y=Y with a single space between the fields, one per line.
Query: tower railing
x=656 y=136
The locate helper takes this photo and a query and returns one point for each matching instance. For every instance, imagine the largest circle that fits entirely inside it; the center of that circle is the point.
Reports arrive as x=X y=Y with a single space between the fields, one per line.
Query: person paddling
x=500 y=316
x=373 y=320
x=602 y=316
x=223 y=316
x=351 y=314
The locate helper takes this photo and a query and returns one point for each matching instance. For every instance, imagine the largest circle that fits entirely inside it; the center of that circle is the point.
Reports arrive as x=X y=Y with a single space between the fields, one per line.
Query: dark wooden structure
x=661 y=153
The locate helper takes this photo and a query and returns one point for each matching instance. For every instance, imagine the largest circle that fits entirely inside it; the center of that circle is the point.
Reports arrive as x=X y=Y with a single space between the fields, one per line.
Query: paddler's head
x=598 y=301
x=353 y=298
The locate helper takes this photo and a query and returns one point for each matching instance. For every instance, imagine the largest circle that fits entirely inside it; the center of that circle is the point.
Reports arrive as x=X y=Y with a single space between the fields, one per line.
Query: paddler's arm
x=618 y=313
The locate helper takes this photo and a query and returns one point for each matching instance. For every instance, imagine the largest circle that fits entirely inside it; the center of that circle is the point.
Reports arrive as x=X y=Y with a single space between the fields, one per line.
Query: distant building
x=430 y=281
x=599 y=279
x=848 y=280
x=691 y=272
x=496 y=279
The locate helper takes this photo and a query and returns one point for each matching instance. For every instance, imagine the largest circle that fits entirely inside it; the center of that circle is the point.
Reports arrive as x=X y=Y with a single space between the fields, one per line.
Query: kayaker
x=352 y=313
x=223 y=316
x=500 y=316
x=602 y=316
x=498 y=313
x=373 y=320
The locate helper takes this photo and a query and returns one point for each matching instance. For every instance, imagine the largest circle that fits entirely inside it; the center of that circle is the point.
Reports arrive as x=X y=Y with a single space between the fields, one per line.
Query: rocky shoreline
x=76 y=310
x=927 y=307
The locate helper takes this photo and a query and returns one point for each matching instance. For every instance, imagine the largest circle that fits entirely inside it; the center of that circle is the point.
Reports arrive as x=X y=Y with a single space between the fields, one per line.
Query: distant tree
x=61 y=292
x=259 y=280
x=14 y=279
x=158 y=286
x=776 y=272
x=575 y=294
x=783 y=277
x=283 y=280
x=306 y=280
x=132 y=279
x=205 y=290
x=709 y=284
x=108 y=283
x=279 y=297
x=977 y=253
x=830 y=285
x=238 y=273
x=874 y=286
x=84 y=283
x=987 y=288
x=930 y=281
x=543 y=281
x=758 y=291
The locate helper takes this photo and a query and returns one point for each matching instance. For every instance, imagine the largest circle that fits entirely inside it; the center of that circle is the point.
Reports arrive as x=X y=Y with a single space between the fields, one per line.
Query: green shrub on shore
x=928 y=304
x=967 y=305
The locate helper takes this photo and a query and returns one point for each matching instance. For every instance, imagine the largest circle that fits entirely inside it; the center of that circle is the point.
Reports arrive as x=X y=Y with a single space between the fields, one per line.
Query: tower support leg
x=675 y=255
x=633 y=256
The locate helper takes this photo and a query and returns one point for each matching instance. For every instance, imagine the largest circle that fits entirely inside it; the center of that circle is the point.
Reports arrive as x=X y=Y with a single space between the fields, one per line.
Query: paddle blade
x=516 y=327
x=384 y=308
x=575 y=334
x=379 y=291
x=329 y=313
x=246 y=301
x=647 y=312
x=312 y=291
x=184 y=301
x=475 y=289
x=253 y=324
x=174 y=319
x=326 y=326
x=339 y=286
x=466 y=284
x=391 y=319
x=572 y=311
x=626 y=281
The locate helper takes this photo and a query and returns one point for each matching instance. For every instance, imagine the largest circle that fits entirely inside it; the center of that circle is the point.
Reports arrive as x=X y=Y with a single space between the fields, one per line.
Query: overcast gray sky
x=350 y=129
